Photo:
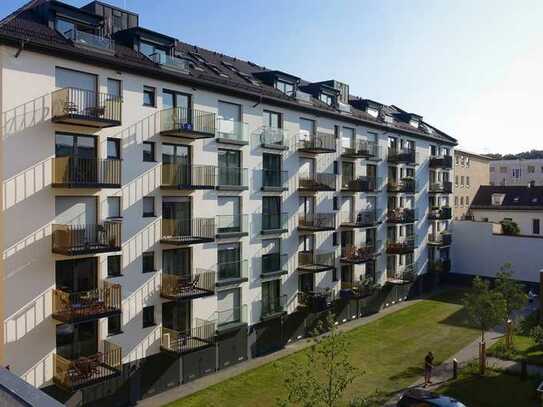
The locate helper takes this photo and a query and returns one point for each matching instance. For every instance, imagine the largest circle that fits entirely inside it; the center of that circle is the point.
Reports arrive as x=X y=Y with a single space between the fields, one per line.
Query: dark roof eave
x=508 y=208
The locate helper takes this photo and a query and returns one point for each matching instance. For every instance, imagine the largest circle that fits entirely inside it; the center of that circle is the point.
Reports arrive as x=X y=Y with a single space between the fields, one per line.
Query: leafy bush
x=528 y=323
x=501 y=351
x=509 y=227
x=536 y=333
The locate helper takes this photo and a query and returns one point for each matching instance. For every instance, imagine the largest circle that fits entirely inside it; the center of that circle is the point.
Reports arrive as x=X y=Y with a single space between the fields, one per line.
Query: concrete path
x=187 y=389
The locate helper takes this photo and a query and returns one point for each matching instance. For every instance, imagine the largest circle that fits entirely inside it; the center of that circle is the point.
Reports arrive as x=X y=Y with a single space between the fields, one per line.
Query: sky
x=471 y=68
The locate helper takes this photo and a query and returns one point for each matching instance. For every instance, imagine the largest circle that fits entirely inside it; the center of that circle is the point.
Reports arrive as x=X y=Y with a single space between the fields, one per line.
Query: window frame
x=147 y=312
x=149 y=254
x=153 y=151
x=119 y=330
x=147 y=90
x=117 y=257
x=148 y=214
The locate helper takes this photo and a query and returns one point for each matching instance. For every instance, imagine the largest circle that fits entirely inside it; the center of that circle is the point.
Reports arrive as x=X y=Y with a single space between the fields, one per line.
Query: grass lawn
x=523 y=348
x=495 y=389
x=390 y=351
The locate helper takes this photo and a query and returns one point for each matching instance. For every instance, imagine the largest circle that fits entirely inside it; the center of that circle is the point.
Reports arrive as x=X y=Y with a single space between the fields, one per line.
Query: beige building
x=470 y=172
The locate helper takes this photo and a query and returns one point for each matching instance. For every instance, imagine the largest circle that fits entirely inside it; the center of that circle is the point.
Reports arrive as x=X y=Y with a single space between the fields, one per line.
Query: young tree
x=322 y=374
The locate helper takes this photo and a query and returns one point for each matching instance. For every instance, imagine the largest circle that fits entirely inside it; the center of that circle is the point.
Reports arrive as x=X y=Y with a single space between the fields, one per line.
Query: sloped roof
x=514 y=197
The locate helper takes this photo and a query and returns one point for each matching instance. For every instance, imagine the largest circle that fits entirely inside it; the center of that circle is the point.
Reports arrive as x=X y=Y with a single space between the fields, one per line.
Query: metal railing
x=318 y=182
x=401 y=245
x=360 y=253
x=232 y=177
x=274 y=179
x=89 y=39
x=439 y=266
x=188 y=229
x=440 y=213
x=273 y=305
x=274 y=262
x=233 y=270
x=317 y=221
x=313 y=259
x=187 y=120
x=187 y=285
x=402 y=155
x=273 y=137
x=318 y=142
x=86 y=370
x=360 y=218
x=81 y=239
x=443 y=161
x=405 y=274
x=232 y=224
x=86 y=172
x=189 y=176
x=235 y=315
x=401 y=215
x=443 y=187
x=443 y=238
x=274 y=221
x=232 y=130
x=180 y=341
x=168 y=61
x=361 y=148
x=317 y=300
x=405 y=185
x=86 y=105
x=70 y=307
x=360 y=184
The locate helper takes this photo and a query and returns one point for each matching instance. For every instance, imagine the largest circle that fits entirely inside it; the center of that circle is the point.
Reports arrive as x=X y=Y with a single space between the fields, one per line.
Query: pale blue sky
x=471 y=68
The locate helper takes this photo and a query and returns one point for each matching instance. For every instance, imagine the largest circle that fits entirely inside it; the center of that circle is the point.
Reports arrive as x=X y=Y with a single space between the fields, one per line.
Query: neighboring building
x=470 y=172
x=516 y=172
x=522 y=205
x=169 y=203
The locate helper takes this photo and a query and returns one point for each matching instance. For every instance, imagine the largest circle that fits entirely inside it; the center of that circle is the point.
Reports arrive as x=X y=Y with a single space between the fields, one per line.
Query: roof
x=514 y=197
x=208 y=69
x=466 y=152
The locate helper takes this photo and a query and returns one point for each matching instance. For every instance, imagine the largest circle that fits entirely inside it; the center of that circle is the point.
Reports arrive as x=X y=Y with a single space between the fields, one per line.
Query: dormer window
x=497 y=199
x=372 y=111
x=414 y=123
x=64 y=27
x=389 y=119
x=285 y=87
x=153 y=52
x=328 y=99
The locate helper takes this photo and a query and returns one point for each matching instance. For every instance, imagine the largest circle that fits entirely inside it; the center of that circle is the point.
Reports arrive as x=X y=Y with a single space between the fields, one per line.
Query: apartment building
x=470 y=172
x=516 y=172
x=172 y=211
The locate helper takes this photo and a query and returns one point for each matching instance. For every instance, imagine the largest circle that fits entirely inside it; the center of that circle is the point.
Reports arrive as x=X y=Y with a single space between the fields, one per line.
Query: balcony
x=75 y=240
x=404 y=245
x=231 y=318
x=273 y=265
x=87 y=305
x=89 y=40
x=201 y=335
x=359 y=254
x=188 y=286
x=407 y=274
x=404 y=186
x=180 y=232
x=232 y=226
x=75 y=172
x=362 y=149
x=188 y=177
x=273 y=223
x=360 y=184
x=360 y=219
x=402 y=156
x=444 y=161
x=232 y=132
x=443 y=213
x=317 y=182
x=401 y=215
x=444 y=187
x=86 y=108
x=232 y=179
x=316 y=222
x=439 y=266
x=187 y=123
x=442 y=239
x=274 y=138
x=313 y=262
x=316 y=301
x=273 y=307
x=233 y=272
x=274 y=181
x=318 y=143
x=171 y=63
x=75 y=374
x=358 y=289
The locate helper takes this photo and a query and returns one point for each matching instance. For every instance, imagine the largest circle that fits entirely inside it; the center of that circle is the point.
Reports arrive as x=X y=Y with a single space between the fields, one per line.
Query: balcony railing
x=232 y=131
x=233 y=270
x=188 y=231
x=443 y=213
x=402 y=245
x=444 y=187
x=188 y=123
x=360 y=184
x=444 y=161
x=186 y=286
x=317 y=182
x=271 y=137
x=315 y=222
x=315 y=301
x=201 y=335
x=357 y=254
x=231 y=178
x=316 y=143
x=273 y=180
x=440 y=239
x=270 y=307
x=401 y=215
x=170 y=62
x=231 y=317
x=181 y=176
x=87 y=305
x=86 y=108
x=402 y=156
x=228 y=225
x=361 y=149
x=90 y=40
x=274 y=222
x=274 y=264
x=74 y=240
x=360 y=219
x=75 y=374
x=310 y=261
x=406 y=274
x=439 y=266
x=75 y=172
x=406 y=185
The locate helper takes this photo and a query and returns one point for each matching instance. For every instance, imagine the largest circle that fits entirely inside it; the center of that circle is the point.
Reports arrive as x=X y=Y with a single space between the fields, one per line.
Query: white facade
x=516 y=172
x=528 y=221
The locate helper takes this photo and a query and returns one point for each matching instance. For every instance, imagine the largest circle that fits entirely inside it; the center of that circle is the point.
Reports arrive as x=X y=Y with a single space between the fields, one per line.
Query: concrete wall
x=524 y=219
x=476 y=168
x=526 y=171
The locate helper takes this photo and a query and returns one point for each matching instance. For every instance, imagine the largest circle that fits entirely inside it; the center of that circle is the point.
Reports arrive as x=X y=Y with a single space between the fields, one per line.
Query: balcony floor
x=316 y=150
x=186 y=345
x=314 y=268
x=186 y=240
x=86 y=313
x=188 y=293
x=102 y=374
x=355 y=225
x=311 y=229
x=189 y=134
x=187 y=187
x=88 y=249
x=86 y=121
x=85 y=185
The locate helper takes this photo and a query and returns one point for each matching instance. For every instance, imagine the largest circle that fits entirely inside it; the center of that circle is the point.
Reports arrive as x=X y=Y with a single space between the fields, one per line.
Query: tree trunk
x=482 y=357
x=508 y=334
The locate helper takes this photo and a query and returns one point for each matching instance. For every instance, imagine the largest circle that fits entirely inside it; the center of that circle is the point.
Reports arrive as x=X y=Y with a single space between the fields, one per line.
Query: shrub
x=536 y=333
x=509 y=227
x=528 y=323
x=503 y=352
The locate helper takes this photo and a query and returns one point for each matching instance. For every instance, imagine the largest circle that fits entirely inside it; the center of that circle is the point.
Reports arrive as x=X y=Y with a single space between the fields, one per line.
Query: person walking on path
x=428 y=365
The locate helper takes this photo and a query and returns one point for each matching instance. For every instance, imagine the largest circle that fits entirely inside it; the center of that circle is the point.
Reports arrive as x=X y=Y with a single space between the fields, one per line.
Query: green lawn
x=390 y=351
x=524 y=348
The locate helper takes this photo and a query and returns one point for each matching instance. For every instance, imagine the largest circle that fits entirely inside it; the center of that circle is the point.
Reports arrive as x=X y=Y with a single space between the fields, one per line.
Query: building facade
x=167 y=204
x=470 y=172
x=516 y=172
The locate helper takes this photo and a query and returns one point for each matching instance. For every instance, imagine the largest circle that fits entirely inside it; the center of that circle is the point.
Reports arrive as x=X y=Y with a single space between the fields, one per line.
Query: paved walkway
x=187 y=389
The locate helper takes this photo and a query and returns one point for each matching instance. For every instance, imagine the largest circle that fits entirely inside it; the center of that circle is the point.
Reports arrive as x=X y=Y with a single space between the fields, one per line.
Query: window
x=64 y=27
x=457 y=159
x=271 y=297
x=531 y=169
x=148 y=206
x=467 y=180
x=113 y=149
x=462 y=180
x=230 y=172
x=455 y=201
x=503 y=170
x=114 y=325
x=148 y=151
x=152 y=51
x=535 y=226
x=272 y=119
x=148 y=316
x=229 y=306
x=492 y=169
x=148 y=262
x=328 y=99
x=285 y=87
x=114 y=266
x=456 y=180
x=229 y=214
x=433 y=151
x=229 y=261
x=461 y=201
x=467 y=200
x=149 y=96
x=113 y=207
x=467 y=161
x=114 y=87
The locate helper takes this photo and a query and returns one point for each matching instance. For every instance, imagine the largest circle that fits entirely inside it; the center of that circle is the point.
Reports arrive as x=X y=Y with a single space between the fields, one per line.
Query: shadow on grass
x=409 y=373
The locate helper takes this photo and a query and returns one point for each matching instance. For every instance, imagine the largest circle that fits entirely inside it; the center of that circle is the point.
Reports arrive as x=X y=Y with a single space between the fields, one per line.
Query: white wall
x=524 y=219
x=497 y=177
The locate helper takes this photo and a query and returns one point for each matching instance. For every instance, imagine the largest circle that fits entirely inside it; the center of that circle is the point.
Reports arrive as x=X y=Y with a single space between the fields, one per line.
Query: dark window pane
x=149 y=96
x=114 y=266
x=113 y=149
x=148 y=206
x=148 y=261
x=148 y=316
x=114 y=325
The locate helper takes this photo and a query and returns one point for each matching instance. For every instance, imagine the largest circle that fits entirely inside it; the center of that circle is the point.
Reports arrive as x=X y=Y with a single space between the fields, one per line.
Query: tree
x=509 y=227
x=514 y=297
x=323 y=372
